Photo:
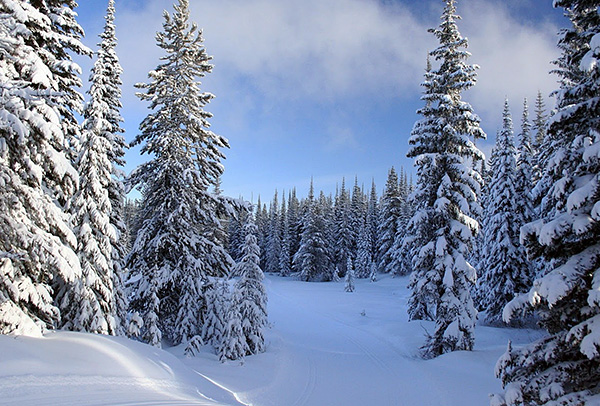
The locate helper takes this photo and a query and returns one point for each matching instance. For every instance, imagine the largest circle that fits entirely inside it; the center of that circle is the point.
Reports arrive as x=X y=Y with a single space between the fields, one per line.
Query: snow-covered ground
x=326 y=347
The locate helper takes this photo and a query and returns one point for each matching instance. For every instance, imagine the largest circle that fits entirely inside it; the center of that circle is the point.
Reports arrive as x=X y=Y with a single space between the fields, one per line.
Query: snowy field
x=326 y=347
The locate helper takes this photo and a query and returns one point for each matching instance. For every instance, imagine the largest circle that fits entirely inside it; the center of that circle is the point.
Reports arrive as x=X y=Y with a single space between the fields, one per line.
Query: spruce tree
x=388 y=223
x=217 y=299
x=363 y=255
x=38 y=130
x=446 y=196
x=313 y=257
x=343 y=234
x=349 y=278
x=564 y=367
x=178 y=246
x=285 y=259
x=504 y=267
x=253 y=297
x=273 y=235
x=98 y=303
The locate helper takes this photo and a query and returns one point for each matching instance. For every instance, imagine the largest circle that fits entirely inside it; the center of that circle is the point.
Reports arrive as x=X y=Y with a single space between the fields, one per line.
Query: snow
x=325 y=347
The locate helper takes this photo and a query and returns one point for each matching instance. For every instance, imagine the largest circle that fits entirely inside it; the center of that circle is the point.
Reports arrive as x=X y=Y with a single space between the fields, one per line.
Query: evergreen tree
x=446 y=195
x=539 y=127
x=294 y=222
x=38 y=129
x=363 y=256
x=97 y=303
x=373 y=219
x=273 y=234
x=388 y=224
x=285 y=259
x=505 y=269
x=358 y=214
x=343 y=233
x=253 y=297
x=178 y=246
x=349 y=278
x=234 y=345
x=312 y=259
x=564 y=367
x=217 y=299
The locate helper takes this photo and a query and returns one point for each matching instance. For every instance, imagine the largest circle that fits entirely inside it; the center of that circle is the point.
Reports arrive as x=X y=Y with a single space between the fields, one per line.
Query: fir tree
x=343 y=233
x=234 y=345
x=388 y=224
x=446 y=195
x=273 y=235
x=217 y=299
x=253 y=297
x=363 y=255
x=373 y=219
x=313 y=258
x=179 y=245
x=285 y=259
x=505 y=269
x=98 y=303
x=564 y=367
x=349 y=278
x=38 y=129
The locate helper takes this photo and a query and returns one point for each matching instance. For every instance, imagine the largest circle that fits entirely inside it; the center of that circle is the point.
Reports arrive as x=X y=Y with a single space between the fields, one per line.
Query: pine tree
x=344 y=234
x=234 y=345
x=349 y=278
x=539 y=127
x=217 y=299
x=285 y=259
x=388 y=224
x=363 y=255
x=313 y=257
x=446 y=195
x=38 y=130
x=273 y=234
x=373 y=219
x=564 y=367
x=179 y=244
x=253 y=297
x=98 y=303
x=505 y=269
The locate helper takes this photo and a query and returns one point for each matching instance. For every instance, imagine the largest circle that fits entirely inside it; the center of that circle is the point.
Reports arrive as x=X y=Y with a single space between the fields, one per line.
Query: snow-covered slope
x=326 y=347
x=66 y=368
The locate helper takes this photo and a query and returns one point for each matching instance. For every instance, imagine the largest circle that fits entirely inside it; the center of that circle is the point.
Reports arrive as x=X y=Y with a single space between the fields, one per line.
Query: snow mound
x=64 y=368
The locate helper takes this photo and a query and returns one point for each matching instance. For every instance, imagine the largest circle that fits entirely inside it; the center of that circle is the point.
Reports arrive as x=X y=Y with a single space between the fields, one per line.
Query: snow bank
x=65 y=368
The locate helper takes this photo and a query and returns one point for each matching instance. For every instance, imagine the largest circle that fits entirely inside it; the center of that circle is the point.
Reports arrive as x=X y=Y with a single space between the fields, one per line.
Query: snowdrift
x=66 y=368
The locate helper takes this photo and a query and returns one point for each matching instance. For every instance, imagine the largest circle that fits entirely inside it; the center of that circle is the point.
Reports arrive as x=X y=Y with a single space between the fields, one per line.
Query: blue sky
x=329 y=88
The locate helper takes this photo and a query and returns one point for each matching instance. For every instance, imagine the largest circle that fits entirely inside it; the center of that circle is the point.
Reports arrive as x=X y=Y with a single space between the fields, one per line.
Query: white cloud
x=514 y=59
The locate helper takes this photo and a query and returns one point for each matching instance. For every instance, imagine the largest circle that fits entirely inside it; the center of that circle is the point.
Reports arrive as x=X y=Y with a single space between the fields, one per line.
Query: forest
x=509 y=240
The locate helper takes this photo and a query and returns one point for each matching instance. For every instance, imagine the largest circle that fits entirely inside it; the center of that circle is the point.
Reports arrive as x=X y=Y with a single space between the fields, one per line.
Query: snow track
x=328 y=348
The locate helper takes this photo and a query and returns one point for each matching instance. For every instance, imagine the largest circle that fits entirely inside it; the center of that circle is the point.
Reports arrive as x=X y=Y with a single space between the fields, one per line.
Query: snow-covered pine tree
x=234 y=345
x=446 y=196
x=273 y=234
x=98 y=303
x=363 y=255
x=540 y=122
x=217 y=300
x=564 y=367
x=294 y=222
x=388 y=223
x=349 y=278
x=504 y=266
x=358 y=214
x=253 y=296
x=313 y=258
x=178 y=248
x=38 y=99
x=285 y=259
x=343 y=233
x=373 y=219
